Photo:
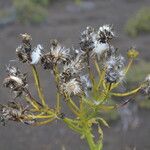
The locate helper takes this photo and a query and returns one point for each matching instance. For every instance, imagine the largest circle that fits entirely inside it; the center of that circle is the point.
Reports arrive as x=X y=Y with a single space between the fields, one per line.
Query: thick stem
x=89 y=139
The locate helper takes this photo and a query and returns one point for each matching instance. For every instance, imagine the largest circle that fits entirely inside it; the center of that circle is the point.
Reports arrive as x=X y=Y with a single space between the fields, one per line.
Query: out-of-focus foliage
x=32 y=11
x=29 y=11
x=145 y=103
x=139 y=23
x=42 y=2
x=138 y=71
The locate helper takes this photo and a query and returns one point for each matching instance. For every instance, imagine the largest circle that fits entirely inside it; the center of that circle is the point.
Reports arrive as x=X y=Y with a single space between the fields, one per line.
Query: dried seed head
x=25 y=53
x=114 y=69
x=105 y=33
x=14 y=112
x=26 y=37
x=87 y=43
x=73 y=69
x=22 y=55
x=26 y=42
x=147 y=79
x=75 y=65
x=116 y=62
x=100 y=48
x=113 y=76
x=11 y=70
x=15 y=81
x=146 y=86
x=57 y=55
x=86 y=83
x=71 y=87
x=46 y=61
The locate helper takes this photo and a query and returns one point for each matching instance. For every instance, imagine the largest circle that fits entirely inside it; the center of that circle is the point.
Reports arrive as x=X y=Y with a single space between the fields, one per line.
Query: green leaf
x=103 y=121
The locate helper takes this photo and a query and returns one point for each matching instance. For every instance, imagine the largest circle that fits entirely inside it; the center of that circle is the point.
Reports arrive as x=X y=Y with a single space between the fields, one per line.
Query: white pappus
x=36 y=54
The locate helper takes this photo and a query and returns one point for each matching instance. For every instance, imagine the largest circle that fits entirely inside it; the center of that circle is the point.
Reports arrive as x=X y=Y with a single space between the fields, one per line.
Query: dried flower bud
x=71 y=87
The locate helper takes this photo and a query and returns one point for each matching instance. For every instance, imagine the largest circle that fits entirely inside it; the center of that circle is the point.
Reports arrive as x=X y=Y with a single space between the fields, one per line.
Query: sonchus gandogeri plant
x=85 y=79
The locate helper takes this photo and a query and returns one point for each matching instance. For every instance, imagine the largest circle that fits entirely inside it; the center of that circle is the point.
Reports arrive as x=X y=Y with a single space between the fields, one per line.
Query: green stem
x=38 y=86
x=89 y=137
x=127 y=93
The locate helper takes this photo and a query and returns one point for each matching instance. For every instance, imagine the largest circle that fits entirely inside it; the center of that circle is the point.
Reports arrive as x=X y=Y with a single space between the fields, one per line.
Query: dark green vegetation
x=30 y=11
x=139 y=23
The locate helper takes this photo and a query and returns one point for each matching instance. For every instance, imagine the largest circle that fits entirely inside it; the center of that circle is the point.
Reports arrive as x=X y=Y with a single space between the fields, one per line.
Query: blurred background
x=64 y=20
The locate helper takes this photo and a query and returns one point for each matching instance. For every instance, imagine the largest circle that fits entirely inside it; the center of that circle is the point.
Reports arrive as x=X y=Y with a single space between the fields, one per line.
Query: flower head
x=15 y=112
x=113 y=76
x=105 y=33
x=87 y=36
x=73 y=68
x=22 y=55
x=56 y=55
x=100 y=48
x=26 y=37
x=132 y=53
x=16 y=81
x=25 y=53
x=86 y=83
x=114 y=69
x=146 y=86
x=71 y=87
x=11 y=70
